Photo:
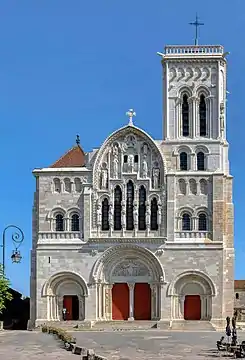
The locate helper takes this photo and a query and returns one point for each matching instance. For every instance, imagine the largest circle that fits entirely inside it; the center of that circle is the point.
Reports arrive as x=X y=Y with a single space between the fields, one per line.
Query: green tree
x=4 y=290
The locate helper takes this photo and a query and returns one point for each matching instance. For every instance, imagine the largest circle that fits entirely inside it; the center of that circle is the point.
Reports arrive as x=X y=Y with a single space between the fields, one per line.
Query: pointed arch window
x=185 y=116
x=130 y=206
x=183 y=161
x=186 y=222
x=200 y=161
x=59 y=222
x=154 y=212
x=202 y=222
x=203 y=116
x=142 y=208
x=75 y=222
x=105 y=215
x=117 y=208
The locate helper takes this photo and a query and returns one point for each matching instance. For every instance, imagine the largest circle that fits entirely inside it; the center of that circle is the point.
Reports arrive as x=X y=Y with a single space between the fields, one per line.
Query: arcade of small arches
x=192 y=187
x=193 y=114
x=130 y=285
x=137 y=212
x=67 y=185
x=61 y=220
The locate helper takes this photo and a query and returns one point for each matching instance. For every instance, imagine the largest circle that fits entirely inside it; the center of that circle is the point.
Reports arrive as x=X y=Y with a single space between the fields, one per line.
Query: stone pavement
x=152 y=344
x=130 y=345
x=23 y=345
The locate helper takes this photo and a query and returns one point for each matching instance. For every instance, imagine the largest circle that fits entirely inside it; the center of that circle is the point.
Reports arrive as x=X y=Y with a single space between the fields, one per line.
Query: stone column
x=154 y=302
x=108 y=301
x=60 y=307
x=131 y=301
x=181 y=301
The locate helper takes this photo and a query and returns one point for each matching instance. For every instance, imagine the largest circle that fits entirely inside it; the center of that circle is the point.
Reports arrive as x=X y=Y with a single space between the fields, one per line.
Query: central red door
x=120 y=302
x=142 y=301
x=67 y=303
x=192 y=307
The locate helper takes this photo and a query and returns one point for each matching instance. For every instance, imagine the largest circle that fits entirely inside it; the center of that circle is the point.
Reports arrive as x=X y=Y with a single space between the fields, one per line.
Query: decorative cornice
x=135 y=240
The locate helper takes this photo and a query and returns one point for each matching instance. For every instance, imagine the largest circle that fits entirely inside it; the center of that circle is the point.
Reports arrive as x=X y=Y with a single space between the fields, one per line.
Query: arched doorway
x=128 y=280
x=65 y=290
x=191 y=296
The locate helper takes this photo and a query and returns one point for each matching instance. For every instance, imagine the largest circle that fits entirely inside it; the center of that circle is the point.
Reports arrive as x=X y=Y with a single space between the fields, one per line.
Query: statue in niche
x=222 y=116
x=104 y=176
x=156 y=177
x=115 y=161
x=123 y=215
x=145 y=149
x=111 y=216
x=130 y=163
x=99 y=214
x=131 y=141
x=159 y=214
x=136 y=215
x=148 y=215
x=144 y=168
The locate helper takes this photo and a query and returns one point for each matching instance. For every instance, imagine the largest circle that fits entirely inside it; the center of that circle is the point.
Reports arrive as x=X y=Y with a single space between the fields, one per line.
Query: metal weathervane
x=196 y=23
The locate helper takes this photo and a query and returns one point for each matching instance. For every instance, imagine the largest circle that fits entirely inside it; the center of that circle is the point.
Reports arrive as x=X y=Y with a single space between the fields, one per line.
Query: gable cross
x=130 y=113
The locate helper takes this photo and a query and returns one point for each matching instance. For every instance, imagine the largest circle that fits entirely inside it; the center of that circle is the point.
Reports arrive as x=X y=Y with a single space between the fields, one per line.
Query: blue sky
x=69 y=67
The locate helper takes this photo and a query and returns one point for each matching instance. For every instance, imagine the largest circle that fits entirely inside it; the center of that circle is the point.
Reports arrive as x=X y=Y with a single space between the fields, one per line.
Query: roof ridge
x=75 y=147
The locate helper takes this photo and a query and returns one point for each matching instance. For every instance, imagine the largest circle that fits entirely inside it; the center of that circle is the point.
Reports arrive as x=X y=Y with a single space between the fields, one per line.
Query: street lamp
x=17 y=238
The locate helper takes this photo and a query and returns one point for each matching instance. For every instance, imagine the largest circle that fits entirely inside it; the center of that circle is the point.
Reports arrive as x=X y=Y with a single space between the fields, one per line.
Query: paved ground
x=152 y=344
x=23 y=345
x=133 y=345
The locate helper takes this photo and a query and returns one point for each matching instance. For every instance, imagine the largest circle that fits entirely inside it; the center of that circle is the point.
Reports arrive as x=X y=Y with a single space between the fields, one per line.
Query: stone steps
x=125 y=325
x=194 y=325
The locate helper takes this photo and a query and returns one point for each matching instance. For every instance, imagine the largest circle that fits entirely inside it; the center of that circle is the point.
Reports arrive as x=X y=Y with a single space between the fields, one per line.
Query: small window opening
x=237 y=296
x=136 y=159
x=125 y=158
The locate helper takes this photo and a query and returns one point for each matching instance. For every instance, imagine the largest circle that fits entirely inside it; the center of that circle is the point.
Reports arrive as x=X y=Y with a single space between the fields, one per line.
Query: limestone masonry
x=142 y=229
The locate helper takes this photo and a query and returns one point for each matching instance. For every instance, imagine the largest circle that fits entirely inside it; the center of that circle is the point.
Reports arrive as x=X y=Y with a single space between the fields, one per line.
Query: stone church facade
x=142 y=229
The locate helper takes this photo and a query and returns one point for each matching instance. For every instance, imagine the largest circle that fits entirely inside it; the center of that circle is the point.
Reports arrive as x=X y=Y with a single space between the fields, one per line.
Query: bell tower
x=194 y=93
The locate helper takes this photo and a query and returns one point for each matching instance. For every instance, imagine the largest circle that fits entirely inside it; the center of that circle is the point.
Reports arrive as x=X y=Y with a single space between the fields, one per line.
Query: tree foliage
x=4 y=290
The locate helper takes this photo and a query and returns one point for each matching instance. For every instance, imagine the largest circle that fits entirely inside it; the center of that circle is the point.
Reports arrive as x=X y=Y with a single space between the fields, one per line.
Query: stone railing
x=53 y=235
x=193 y=235
x=194 y=50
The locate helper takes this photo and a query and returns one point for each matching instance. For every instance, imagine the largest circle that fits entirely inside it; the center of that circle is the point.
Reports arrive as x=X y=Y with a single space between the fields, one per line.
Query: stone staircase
x=188 y=325
x=118 y=325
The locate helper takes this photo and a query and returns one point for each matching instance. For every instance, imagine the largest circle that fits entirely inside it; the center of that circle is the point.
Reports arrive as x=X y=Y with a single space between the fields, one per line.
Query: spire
x=196 y=23
x=130 y=113
x=78 y=140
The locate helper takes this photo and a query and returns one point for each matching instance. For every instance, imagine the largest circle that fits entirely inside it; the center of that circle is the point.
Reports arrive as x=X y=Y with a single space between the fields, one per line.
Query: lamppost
x=17 y=238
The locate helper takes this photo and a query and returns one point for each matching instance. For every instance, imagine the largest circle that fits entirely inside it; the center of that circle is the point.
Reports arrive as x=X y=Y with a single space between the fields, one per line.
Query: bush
x=60 y=333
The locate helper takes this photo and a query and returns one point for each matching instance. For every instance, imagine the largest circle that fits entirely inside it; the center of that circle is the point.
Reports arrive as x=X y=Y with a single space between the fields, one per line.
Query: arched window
x=202 y=222
x=57 y=185
x=75 y=222
x=203 y=116
x=182 y=187
x=67 y=183
x=186 y=222
x=117 y=208
x=142 y=208
x=193 y=186
x=59 y=222
x=200 y=161
x=105 y=215
x=78 y=185
x=183 y=161
x=203 y=187
x=130 y=206
x=154 y=211
x=185 y=116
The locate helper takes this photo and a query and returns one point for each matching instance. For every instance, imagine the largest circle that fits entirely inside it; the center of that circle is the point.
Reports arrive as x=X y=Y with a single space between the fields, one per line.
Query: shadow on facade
x=17 y=312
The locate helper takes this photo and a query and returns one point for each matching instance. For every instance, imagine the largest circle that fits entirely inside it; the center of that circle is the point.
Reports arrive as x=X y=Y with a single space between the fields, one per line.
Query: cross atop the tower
x=196 y=23
x=130 y=113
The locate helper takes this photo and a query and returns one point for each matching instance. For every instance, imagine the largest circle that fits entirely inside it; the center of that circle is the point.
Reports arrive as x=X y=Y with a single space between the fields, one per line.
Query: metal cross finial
x=130 y=113
x=78 y=140
x=196 y=23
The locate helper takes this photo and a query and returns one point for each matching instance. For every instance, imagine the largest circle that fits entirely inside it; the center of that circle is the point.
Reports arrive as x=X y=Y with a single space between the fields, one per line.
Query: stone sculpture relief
x=115 y=161
x=156 y=177
x=188 y=73
x=99 y=214
x=148 y=215
x=144 y=168
x=131 y=268
x=104 y=176
x=130 y=163
x=136 y=215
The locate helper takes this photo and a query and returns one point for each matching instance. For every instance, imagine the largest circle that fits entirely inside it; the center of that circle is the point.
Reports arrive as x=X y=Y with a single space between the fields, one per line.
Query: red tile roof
x=75 y=157
x=239 y=284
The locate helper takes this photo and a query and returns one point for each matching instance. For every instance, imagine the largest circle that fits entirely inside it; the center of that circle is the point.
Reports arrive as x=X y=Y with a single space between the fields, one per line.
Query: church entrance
x=120 y=301
x=71 y=304
x=192 y=307
x=142 y=301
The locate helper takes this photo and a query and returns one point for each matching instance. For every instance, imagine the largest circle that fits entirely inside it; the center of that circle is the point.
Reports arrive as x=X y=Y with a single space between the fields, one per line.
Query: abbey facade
x=142 y=229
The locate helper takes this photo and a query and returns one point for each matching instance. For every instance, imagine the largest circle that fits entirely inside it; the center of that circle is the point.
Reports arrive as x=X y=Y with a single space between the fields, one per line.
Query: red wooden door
x=120 y=302
x=142 y=301
x=192 y=307
x=67 y=303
